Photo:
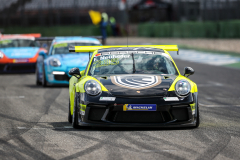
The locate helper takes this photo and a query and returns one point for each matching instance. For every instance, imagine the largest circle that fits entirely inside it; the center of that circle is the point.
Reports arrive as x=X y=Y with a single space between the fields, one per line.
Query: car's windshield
x=63 y=48
x=137 y=63
x=6 y=43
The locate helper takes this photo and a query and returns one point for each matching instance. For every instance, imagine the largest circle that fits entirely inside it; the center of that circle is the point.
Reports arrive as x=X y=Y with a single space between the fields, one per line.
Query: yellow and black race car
x=132 y=86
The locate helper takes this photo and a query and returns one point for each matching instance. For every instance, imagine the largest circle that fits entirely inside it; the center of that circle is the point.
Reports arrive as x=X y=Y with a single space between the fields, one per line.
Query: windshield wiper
x=134 y=69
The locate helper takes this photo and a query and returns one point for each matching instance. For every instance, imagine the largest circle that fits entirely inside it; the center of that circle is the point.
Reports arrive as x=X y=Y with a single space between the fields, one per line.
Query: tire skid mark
x=215 y=148
x=49 y=99
x=125 y=147
x=25 y=148
x=230 y=152
x=111 y=151
x=10 y=152
x=201 y=136
x=32 y=152
x=13 y=118
x=106 y=142
x=84 y=152
x=47 y=139
x=148 y=147
x=220 y=112
x=167 y=142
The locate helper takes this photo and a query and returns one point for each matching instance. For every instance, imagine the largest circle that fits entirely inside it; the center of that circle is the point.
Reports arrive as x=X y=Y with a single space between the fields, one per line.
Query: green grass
x=209 y=50
x=70 y=30
x=233 y=65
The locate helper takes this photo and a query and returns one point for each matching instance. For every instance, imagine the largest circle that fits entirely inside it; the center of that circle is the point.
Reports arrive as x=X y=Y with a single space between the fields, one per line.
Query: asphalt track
x=34 y=124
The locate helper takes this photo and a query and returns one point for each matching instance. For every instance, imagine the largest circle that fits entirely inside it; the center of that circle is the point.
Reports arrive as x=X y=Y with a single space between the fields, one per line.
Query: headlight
x=1 y=55
x=182 y=87
x=92 y=87
x=55 y=62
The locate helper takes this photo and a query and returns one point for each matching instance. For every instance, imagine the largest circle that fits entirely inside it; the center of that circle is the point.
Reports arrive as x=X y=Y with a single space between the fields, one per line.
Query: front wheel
x=69 y=113
x=44 y=81
x=197 y=118
x=37 y=77
x=75 y=115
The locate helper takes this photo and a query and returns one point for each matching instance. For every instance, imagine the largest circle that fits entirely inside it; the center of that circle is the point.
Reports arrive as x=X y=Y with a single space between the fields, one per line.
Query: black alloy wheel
x=37 y=78
x=198 y=118
x=44 y=81
x=75 y=114
x=69 y=113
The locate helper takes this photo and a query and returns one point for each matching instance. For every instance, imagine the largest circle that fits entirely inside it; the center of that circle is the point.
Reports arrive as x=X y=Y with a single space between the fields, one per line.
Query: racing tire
x=69 y=113
x=44 y=81
x=38 y=83
x=75 y=115
x=198 y=118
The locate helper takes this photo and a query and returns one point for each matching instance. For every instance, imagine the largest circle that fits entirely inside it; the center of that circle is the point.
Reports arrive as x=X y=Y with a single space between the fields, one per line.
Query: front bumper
x=59 y=79
x=17 y=67
x=111 y=114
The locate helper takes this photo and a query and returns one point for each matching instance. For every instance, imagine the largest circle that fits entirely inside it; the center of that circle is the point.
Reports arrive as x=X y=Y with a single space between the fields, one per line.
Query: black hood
x=137 y=85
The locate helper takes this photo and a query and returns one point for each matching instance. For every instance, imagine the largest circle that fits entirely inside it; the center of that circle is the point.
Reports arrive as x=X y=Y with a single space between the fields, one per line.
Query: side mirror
x=188 y=71
x=75 y=72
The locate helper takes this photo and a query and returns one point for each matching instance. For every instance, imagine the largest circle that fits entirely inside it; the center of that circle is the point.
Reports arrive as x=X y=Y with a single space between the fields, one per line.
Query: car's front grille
x=2 y=66
x=17 y=67
x=177 y=113
x=61 y=77
x=136 y=117
x=96 y=114
x=180 y=113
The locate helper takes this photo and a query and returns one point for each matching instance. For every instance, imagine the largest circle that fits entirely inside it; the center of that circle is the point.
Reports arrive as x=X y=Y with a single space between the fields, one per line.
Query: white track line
x=205 y=57
x=13 y=97
x=65 y=127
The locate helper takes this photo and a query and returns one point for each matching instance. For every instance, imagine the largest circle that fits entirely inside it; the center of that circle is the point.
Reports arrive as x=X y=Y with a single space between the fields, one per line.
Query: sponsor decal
x=111 y=57
x=60 y=45
x=139 y=107
x=136 y=82
x=106 y=62
x=20 y=54
x=6 y=41
x=20 y=60
x=170 y=98
x=107 y=98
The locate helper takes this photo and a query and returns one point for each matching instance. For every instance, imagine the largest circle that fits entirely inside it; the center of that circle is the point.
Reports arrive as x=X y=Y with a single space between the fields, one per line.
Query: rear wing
x=35 y=35
x=44 y=39
x=93 y=48
x=52 y=38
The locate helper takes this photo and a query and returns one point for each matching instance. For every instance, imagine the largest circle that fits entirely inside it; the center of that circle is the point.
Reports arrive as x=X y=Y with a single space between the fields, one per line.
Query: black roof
x=130 y=49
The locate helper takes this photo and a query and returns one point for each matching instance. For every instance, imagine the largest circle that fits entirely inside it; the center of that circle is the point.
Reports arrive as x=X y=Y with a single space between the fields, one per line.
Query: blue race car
x=52 y=68
x=19 y=52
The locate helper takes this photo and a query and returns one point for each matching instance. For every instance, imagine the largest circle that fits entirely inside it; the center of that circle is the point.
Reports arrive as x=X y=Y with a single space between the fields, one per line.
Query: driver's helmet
x=157 y=63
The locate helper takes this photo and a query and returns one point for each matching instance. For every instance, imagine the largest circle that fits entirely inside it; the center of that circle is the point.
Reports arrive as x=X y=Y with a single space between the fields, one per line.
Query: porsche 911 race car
x=19 y=52
x=52 y=68
x=134 y=86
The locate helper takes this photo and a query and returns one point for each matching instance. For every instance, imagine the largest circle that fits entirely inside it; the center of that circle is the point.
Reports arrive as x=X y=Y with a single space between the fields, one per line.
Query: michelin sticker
x=139 y=107
x=170 y=98
x=107 y=98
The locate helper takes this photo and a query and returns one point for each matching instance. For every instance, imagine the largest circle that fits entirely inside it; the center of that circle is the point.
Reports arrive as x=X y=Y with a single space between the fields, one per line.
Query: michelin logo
x=140 y=107
x=129 y=107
